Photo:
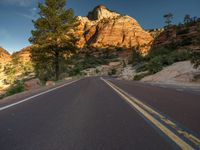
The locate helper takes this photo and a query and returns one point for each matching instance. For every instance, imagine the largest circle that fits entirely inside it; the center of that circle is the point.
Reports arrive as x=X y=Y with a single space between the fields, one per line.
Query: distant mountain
x=24 y=54
x=104 y=28
x=5 y=57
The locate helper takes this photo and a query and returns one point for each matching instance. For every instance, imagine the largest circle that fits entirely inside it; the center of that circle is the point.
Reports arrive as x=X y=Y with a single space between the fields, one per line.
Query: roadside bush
x=183 y=31
x=140 y=76
x=112 y=72
x=15 y=88
x=179 y=56
x=155 y=65
x=157 y=51
x=142 y=67
x=186 y=41
x=136 y=57
x=195 y=59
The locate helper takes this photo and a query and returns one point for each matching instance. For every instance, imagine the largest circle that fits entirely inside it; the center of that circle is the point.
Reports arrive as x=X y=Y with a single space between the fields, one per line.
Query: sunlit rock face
x=101 y=12
x=5 y=57
x=24 y=54
x=103 y=28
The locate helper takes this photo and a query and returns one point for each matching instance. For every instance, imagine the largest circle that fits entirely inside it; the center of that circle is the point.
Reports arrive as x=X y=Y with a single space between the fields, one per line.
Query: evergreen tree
x=168 y=19
x=136 y=56
x=187 y=19
x=52 y=37
x=195 y=56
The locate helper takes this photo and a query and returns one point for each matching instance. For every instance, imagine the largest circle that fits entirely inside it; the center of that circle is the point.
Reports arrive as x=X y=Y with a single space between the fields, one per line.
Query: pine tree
x=168 y=19
x=187 y=19
x=52 y=37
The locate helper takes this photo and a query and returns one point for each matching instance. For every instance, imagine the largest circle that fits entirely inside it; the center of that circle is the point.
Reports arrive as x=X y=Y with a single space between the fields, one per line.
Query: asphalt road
x=93 y=114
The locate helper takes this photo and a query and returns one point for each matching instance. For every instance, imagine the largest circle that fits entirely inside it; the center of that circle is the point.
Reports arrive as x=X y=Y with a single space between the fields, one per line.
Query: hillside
x=106 y=40
x=5 y=57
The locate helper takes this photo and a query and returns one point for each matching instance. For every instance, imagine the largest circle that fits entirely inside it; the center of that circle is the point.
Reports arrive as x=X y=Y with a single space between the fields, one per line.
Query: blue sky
x=16 y=15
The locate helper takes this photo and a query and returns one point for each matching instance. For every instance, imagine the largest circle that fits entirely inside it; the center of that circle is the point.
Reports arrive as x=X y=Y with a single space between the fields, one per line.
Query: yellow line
x=187 y=135
x=182 y=144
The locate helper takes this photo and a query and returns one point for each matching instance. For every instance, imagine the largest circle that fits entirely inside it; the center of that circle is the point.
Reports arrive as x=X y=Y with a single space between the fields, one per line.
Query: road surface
x=102 y=114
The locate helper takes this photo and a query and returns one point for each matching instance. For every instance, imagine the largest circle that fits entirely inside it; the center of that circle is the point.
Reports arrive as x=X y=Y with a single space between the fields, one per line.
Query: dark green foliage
x=158 y=62
x=140 y=76
x=195 y=59
x=160 y=57
x=155 y=64
x=142 y=67
x=136 y=56
x=85 y=63
x=119 y=49
x=52 y=38
x=112 y=72
x=157 y=51
x=186 y=41
x=168 y=19
x=14 y=89
x=180 y=31
x=109 y=55
x=187 y=19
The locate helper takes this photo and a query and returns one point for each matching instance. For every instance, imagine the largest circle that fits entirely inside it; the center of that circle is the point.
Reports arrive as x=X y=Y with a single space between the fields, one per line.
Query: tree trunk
x=57 y=65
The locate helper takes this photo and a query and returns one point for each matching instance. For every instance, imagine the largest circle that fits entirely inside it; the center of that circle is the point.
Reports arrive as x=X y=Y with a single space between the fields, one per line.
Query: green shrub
x=195 y=59
x=97 y=71
x=182 y=31
x=186 y=41
x=136 y=57
x=179 y=56
x=15 y=88
x=157 y=51
x=160 y=57
x=119 y=49
x=155 y=65
x=112 y=72
x=140 y=76
x=142 y=68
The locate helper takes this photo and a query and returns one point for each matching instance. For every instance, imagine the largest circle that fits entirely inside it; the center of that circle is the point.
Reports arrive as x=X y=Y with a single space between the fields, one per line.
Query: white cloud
x=31 y=14
x=23 y=3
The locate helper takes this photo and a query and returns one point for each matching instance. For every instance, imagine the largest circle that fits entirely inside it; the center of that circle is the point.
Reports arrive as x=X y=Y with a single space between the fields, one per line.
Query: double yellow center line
x=150 y=114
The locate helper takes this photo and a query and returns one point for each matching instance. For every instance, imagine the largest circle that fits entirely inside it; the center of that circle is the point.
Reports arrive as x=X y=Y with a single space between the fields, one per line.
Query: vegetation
x=168 y=19
x=195 y=59
x=52 y=37
x=136 y=56
x=158 y=58
x=17 y=69
x=17 y=87
x=112 y=72
x=195 y=56
x=140 y=76
x=80 y=64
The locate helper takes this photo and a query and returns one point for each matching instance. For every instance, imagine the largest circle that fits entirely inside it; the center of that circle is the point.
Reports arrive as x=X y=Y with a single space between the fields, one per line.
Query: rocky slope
x=5 y=57
x=103 y=28
x=178 y=36
x=178 y=73
x=24 y=54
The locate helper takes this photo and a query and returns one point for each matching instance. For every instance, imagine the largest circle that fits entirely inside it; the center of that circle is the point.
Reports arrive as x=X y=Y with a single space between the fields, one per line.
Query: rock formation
x=5 y=57
x=103 y=28
x=24 y=54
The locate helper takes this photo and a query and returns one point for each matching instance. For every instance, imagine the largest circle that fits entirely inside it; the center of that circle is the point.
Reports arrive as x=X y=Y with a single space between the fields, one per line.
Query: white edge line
x=42 y=93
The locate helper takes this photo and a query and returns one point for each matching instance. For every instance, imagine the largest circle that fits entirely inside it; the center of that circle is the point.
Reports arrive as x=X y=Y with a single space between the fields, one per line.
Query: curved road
x=102 y=114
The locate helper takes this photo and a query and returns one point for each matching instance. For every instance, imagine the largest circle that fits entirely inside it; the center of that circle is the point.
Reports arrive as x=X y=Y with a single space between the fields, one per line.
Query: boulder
x=50 y=83
x=32 y=84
